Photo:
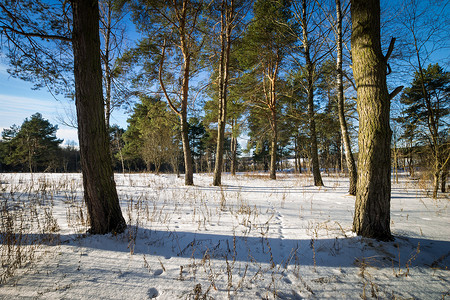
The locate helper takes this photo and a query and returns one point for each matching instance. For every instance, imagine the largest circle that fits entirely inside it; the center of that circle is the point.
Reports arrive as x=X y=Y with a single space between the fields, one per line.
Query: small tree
x=117 y=144
x=198 y=138
x=152 y=134
x=34 y=145
x=427 y=105
x=159 y=136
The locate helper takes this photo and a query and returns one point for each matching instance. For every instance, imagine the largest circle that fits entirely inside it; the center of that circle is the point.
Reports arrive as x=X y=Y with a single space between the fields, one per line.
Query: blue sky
x=18 y=101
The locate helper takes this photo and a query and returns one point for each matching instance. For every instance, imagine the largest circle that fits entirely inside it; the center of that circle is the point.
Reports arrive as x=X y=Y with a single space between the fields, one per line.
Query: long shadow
x=328 y=252
x=252 y=189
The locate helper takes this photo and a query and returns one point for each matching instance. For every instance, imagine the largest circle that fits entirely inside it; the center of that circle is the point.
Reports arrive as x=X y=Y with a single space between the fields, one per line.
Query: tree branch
x=395 y=92
x=390 y=49
x=389 y=70
x=161 y=82
x=42 y=36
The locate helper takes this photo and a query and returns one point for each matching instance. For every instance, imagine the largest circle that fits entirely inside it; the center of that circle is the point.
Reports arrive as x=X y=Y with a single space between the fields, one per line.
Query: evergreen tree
x=170 y=54
x=425 y=118
x=117 y=144
x=264 y=48
x=152 y=135
x=33 y=145
x=100 y=191
x=28 y=27
x=132 y=135
x=230 y=16
x=198 y=138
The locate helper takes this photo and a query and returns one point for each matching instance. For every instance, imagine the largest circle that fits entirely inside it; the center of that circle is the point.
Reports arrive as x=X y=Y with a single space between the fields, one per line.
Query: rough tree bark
x=188 y=166
x=344 y=129
x=233 y=146
x=100 y=192
x=373 y=194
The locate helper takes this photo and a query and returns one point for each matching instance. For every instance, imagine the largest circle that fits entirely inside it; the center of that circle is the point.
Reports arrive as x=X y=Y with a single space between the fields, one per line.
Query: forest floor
x=252 y=238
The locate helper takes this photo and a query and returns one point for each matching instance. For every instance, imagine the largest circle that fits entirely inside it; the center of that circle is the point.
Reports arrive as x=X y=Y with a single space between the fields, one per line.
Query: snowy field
x=253 y=238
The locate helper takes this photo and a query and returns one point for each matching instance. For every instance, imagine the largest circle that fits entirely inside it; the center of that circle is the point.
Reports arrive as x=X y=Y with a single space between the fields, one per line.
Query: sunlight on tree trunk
x=227 y=13
x=100 y=192
x=341 y=101
x=373 y=194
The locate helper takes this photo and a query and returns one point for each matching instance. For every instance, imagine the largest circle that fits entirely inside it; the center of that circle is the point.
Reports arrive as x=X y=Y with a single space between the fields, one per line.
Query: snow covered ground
x=253 y=238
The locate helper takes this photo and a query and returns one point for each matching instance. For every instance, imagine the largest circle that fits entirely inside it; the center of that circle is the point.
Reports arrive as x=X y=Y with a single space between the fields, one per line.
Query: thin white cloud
x=14 y=109
x=68 y=134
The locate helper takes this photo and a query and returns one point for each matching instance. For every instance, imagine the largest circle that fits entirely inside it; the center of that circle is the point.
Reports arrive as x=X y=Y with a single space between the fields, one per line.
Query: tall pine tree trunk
x=373 y=193
x=188 y=166
x=233 y=155
x=295 y=156
x=271 y=100
x=314 y=148
x=310 y=91
x=185 y=46
x=273 y=146
x=106 y=58
x=100 y=192
x=225 y=38
x=344 y=129
x=219 y=147
x=444 y=175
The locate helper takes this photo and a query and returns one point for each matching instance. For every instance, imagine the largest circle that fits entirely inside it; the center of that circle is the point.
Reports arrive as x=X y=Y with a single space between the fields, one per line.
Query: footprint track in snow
x=279 y=222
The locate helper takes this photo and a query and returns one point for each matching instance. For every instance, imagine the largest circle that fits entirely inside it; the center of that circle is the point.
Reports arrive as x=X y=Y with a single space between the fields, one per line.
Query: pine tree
x=152 y=135
x=100 y=191
x=373 y=193
x=351 y=165
x=37 y=61
x=264 y=48
x=33 y=145
x=427 y=104
x=172 y=37
x=231 y=13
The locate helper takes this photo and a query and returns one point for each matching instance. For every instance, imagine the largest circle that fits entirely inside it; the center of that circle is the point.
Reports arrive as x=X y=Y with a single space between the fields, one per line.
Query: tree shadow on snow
x=337 y=252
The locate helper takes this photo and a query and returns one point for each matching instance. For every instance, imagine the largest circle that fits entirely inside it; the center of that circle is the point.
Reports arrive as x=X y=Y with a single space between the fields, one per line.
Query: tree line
x=282 y=71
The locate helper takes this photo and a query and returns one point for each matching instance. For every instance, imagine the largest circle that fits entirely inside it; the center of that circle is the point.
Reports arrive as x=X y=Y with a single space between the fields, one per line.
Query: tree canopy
x=33 y=145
